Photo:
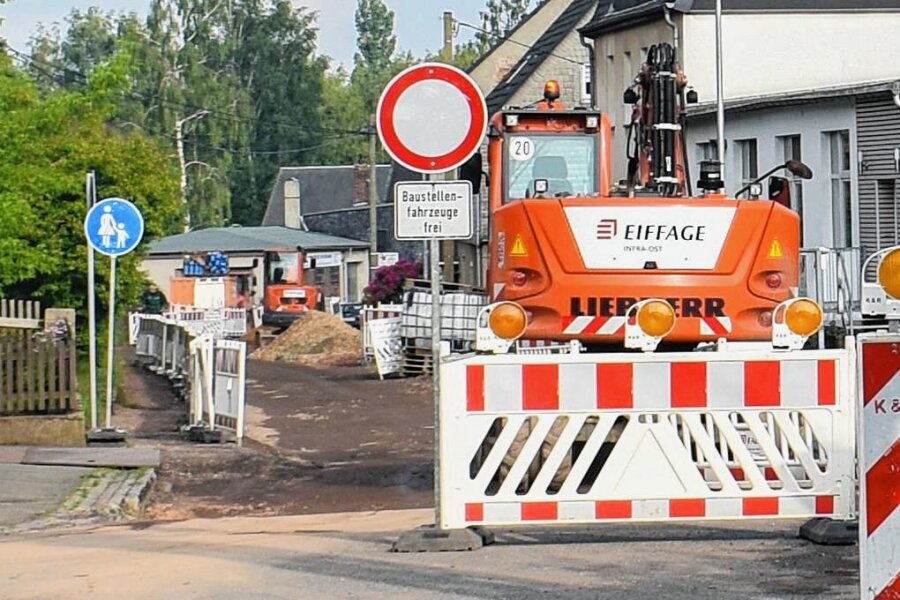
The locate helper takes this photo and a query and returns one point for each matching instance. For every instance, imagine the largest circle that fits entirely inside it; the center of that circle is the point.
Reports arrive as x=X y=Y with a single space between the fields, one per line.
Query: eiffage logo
x=607 y=229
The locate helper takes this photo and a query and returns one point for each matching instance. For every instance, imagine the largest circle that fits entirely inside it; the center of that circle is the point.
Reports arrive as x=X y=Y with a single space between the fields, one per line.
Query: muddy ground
x=316 y=441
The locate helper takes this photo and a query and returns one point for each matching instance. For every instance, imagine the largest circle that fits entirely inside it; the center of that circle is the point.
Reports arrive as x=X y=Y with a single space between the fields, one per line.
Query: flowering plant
x=387 y=282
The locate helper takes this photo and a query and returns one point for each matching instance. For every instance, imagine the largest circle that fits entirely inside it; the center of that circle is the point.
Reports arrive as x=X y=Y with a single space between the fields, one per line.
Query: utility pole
x=448 y=246
x=373 y=192
x=182 y=167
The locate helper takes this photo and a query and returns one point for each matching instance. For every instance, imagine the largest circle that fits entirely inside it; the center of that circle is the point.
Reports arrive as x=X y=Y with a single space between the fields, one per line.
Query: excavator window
x=283 y=267
x=567 y=163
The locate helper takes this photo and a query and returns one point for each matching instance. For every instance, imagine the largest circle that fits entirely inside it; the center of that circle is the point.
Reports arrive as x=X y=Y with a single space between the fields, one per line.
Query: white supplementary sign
x=433 y=210
x=386 y=259
x=673 y=237
x=323 y=259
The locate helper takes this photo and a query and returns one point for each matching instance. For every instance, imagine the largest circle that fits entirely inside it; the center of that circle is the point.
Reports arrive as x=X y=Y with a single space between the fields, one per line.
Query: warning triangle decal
x=518 y=248
x=776 y=251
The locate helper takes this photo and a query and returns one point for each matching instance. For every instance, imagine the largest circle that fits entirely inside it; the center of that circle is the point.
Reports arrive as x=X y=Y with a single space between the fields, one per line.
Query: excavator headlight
x=889 y=273
x=656 y=318
x=804 y=317
x=508 y=321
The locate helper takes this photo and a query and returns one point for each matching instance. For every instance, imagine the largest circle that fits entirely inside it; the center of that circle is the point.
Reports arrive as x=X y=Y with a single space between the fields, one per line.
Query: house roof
x=621 y=14
x=501 y=40
x=793 y=98
x=250 y=239
x=323 y=189
x=538 y=53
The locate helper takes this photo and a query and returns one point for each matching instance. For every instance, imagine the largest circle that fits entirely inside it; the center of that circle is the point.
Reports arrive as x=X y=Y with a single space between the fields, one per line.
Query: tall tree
x=375 y=39
x=498 y=19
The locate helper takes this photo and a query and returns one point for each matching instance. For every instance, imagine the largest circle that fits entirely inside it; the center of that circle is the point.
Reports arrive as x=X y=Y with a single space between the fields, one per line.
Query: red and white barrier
x=879 y=464
x=646 y=437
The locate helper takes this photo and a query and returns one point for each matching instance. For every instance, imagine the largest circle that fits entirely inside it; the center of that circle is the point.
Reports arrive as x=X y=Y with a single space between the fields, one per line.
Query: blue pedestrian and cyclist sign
x=114 y=227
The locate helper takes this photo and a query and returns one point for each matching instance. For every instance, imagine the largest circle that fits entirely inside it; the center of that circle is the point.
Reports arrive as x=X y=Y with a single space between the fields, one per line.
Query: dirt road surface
x=347 y=556
x=317 y=440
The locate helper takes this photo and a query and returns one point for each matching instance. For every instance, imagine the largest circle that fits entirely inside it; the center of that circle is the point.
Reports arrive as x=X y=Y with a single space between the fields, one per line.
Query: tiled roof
x=542 y=48
x=620 y=14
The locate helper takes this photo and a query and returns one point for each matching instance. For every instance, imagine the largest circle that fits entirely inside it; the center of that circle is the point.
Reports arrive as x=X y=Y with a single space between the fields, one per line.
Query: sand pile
x=315 y=339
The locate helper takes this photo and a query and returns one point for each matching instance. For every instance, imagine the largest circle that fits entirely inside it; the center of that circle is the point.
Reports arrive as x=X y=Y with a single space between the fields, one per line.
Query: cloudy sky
x=418 y=22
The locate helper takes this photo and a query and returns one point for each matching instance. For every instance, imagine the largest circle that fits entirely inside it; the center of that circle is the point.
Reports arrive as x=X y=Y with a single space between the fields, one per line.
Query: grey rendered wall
x=811 y=122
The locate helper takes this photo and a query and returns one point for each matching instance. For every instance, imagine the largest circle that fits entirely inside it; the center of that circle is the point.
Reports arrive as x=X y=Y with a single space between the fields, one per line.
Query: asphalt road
x=348 y=556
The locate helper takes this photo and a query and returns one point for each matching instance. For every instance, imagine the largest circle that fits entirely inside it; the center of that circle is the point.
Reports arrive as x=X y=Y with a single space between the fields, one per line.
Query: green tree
x=375 y=39
x=48 y=141
x=498 y=19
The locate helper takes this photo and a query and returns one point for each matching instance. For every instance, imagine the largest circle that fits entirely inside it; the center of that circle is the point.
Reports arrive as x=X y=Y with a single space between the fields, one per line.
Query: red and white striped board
x=647 y=510
x=879 y=435
x=650 y=385
x=615 y=326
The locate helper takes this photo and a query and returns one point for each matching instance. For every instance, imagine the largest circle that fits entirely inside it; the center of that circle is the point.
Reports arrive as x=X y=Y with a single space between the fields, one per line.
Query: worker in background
x=153 y=301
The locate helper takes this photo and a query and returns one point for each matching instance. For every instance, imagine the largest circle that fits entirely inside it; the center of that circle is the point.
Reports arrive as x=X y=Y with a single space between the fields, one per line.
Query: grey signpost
x=113 y=227
x=431 y=119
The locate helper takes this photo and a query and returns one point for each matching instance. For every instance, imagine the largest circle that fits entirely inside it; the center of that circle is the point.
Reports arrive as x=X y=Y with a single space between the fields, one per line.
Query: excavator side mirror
x=780 y=191
x=630 y=96
x=799 y=169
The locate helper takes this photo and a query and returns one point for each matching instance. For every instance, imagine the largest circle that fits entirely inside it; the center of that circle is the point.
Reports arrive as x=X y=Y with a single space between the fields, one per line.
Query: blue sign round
x=114 y=226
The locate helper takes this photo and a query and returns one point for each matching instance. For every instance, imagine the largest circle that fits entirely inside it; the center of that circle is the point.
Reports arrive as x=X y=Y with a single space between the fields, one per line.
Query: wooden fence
x=37 y=363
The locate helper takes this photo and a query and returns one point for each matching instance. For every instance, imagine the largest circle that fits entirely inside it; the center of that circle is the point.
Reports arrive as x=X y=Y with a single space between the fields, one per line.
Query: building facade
x=770 y=47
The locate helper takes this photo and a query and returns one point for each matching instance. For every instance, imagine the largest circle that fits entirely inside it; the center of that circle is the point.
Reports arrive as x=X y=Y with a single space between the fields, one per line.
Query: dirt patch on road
x=316 y=441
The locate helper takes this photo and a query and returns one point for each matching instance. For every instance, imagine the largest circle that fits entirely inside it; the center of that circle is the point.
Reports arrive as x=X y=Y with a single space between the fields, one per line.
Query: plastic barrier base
x=830 y=532
x=429 y=539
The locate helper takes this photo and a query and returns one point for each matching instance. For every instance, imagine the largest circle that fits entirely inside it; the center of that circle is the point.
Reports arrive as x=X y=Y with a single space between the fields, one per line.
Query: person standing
x=153 y=301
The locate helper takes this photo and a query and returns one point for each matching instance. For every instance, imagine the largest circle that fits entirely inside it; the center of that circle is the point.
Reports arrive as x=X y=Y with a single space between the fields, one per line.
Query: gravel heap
x=315 y=339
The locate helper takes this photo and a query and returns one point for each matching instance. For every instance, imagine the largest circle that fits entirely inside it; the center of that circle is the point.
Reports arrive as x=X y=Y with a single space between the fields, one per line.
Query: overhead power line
x=514 y=42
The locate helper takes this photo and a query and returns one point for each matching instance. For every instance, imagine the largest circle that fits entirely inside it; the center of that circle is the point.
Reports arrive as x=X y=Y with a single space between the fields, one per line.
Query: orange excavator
x=577 y=251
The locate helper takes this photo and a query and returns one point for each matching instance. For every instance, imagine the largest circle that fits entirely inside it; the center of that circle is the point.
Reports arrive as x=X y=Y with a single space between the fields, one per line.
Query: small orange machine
x=286 y=297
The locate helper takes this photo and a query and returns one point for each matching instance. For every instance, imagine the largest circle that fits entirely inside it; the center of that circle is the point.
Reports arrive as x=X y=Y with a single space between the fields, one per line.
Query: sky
x=417 y=22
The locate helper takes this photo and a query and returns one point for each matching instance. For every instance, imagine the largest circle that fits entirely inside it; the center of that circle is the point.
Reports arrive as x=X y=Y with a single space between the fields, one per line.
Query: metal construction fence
x=206 y=370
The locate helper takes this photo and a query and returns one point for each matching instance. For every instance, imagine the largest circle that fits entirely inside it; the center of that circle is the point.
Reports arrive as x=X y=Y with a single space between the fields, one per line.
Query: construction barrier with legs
x=646 y=437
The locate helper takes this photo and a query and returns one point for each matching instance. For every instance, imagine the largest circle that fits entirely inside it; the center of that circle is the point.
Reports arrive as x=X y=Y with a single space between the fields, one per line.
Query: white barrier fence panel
x=879 y=465
x=592 y=438
x=229 y=387
x=387 y=345
x=369 y=314
x=211 y=371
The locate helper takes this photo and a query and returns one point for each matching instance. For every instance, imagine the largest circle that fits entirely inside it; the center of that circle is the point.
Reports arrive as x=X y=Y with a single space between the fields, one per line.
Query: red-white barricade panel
x=879 y=466
x=606 y=437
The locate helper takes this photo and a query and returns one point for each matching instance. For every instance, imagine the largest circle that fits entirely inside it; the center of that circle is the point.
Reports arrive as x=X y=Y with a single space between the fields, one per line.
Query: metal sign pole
x=434 y=259
x=720 y=90
x=91 y=193
x=110 y=351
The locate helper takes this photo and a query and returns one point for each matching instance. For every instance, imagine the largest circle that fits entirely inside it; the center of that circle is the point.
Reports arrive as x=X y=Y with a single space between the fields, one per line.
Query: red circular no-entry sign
x=432 y=118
